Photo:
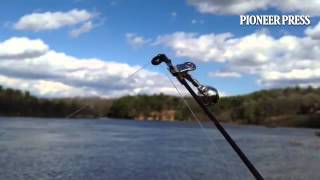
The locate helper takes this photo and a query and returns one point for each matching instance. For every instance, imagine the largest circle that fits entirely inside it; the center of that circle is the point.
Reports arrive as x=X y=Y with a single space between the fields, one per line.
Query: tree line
x=299 y=107
x=295 y=106
x=22 y=103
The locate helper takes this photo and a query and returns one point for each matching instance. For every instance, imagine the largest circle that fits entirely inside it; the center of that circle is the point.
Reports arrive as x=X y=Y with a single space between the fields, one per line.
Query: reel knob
x=208 y=95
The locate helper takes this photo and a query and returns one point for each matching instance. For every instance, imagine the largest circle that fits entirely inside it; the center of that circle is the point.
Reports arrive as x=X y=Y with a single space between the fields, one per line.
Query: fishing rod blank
x=206 y=96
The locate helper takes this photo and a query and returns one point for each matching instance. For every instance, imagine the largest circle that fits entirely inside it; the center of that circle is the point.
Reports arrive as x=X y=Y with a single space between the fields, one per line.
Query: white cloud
x=45 y=88
x=52 y=20
x=314 y=32
x=237 y=7
x=86 y=27
x=174 y=14
x=135 y=40
x=55 y=74
x=19 y=48
x=284 y=61
x=225 y=74
x=204 y=48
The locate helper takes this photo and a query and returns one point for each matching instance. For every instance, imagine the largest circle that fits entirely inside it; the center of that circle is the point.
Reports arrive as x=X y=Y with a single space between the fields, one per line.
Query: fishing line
x=189 y=108
x=76 y=111
x=129 y=76
x=138 y=70
x=213 y=144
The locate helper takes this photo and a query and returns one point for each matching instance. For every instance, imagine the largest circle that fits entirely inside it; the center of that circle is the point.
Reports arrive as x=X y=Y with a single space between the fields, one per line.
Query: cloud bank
x=237 y=7
x=277 y=62
x=29 y=64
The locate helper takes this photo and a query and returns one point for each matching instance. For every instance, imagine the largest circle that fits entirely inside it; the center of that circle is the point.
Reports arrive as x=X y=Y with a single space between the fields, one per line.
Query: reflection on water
x=113 y=149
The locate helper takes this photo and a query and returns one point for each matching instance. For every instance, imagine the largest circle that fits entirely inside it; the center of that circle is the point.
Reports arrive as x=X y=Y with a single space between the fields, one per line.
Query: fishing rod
x=206 y=96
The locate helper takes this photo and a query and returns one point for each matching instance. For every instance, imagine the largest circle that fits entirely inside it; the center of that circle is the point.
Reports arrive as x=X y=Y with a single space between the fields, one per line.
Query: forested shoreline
x=19 y=103
x=297 y=107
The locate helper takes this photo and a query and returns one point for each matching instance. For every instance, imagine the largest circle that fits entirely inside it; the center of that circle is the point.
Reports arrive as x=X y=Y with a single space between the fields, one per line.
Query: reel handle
x=158 y=59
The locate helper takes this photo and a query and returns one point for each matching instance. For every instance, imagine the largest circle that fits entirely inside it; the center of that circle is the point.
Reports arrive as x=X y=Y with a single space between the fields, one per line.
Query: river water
x=33 y=148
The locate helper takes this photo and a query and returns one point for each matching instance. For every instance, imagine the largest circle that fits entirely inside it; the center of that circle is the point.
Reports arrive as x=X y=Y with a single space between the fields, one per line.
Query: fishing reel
x=207 y=94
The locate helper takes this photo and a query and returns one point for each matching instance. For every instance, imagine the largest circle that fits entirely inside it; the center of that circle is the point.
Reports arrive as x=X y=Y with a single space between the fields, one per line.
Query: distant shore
x=288 y=107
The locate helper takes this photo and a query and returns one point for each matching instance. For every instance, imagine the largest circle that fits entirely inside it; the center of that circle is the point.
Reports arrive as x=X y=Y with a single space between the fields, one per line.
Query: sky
x=56 y=48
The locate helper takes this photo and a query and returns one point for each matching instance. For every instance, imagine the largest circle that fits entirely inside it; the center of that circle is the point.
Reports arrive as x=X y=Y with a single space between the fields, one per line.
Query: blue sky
x=127 y=34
